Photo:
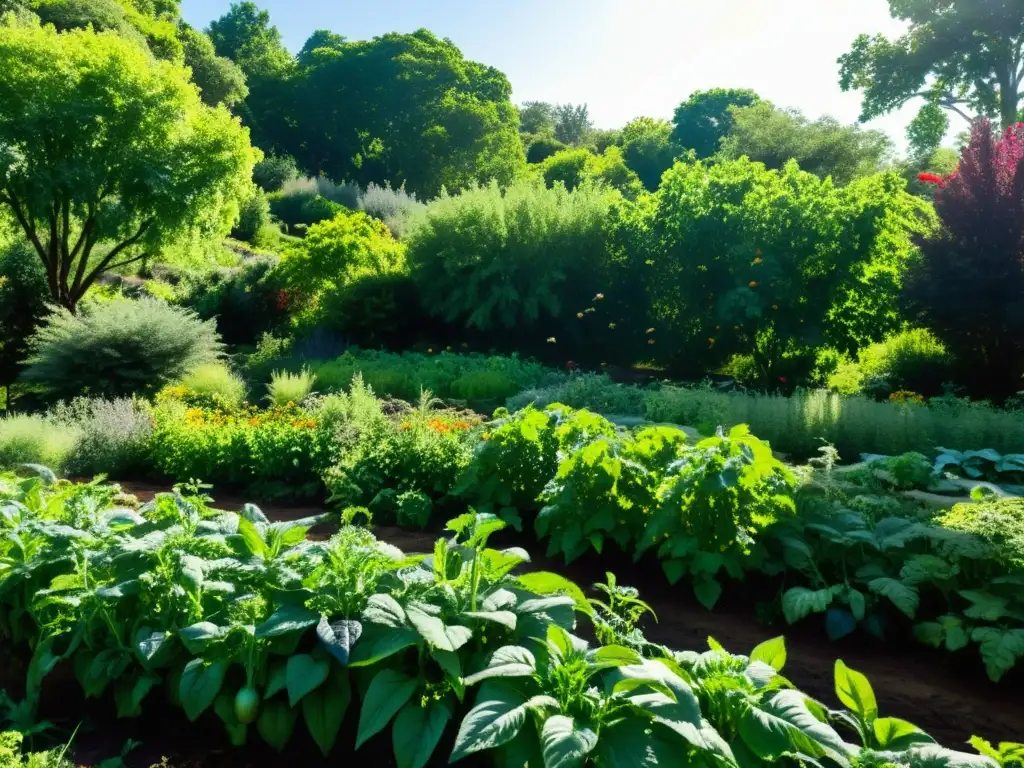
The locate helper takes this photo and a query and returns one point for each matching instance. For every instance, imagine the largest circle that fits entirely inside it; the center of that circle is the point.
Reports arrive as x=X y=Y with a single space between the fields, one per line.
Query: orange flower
x=753 y=283
x=711 y=341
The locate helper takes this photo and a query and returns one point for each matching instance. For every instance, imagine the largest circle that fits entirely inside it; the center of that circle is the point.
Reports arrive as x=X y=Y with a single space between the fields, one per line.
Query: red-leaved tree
x=968 y=286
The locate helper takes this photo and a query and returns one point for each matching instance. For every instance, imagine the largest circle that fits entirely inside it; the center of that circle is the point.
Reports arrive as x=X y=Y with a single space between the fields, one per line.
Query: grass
x=215 y=380
x=28 y=439
x=797 y=425
x=286 y=387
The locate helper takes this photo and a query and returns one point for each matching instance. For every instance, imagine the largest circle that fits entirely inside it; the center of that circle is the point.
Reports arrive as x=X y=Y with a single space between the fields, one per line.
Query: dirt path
x=947 y=695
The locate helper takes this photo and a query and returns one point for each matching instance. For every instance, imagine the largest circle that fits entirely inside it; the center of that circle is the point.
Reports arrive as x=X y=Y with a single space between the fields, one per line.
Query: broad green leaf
x=615 y=656
x=707 y=591
x=338 y=637
x=434 y=631
x=384 y=609
x=448 y=661
x=897 y=735
x=148 y=644
x=199 y=685
x=855 y=692
x=905 y=598
x=548 y=583
x=277 y=679
x=416 y=732
x=224 y=706
x=276 y=723
x=564 y=744
x=771 y=652
x=379 y=642
x=1000 y=649
x=785 y=724
x=252 y=538
x=858 y=606
x=498 y=715
x=324 y=708
x=508 y=661
x=798 y=602
x=984 y=605
x=505 y=618
x=674 y=570
x=628 y=745
x=286 y=619
x=388 y=692
x=305 y=674
x=196 y=637
x=129 y=695
x=935 y=756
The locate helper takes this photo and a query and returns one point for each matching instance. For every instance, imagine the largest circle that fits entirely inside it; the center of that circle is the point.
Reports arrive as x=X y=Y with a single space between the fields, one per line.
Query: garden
x=348 y=409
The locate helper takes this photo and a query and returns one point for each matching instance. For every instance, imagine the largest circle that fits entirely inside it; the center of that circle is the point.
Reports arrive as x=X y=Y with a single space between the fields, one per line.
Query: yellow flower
x=650 y=330
x=579 y=315
x=753 y=283
x=599 y=297
x=551 y=340
x=650 y=341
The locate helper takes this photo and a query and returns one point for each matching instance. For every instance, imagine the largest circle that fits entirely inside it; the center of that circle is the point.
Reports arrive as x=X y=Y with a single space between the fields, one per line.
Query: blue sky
x=624 y=58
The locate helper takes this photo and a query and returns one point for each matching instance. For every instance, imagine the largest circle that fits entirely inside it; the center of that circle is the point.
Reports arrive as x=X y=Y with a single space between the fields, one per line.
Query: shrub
x=277 y=453
x=542 y=148
x=113 y=436
x=1000 y=522
x=285 y=387
x=35 y=440
x=525 y=261
x=246 y=302
x=392 y=206
x=574 y=167
x=254 y=225
x=377 y=311
x=22 y=303
x=594 y=392
x=119 y=348
x=912 y=360
x=338 y=251
x=483 y=385
x=274 y=171
x=300 y=208
x=216 y=384
x=419 y=450
x=967 y=285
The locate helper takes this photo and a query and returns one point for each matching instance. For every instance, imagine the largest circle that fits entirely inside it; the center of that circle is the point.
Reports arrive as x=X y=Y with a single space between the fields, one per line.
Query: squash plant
x=715 y=502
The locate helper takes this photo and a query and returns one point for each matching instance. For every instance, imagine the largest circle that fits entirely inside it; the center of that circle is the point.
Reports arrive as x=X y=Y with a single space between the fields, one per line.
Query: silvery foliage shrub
x=392 y=206
x=113 y=435
x=119 y=348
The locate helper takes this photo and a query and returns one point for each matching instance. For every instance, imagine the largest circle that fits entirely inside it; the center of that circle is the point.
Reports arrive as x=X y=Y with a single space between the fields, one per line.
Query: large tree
x=648 y=149
x=107 y=154
x=704 y=119
x=220 y=80
x=406 y=108
x=964 y=56
x=824 y=147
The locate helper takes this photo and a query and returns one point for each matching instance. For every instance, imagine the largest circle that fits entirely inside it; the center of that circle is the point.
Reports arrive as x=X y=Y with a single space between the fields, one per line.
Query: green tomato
x=247 y=704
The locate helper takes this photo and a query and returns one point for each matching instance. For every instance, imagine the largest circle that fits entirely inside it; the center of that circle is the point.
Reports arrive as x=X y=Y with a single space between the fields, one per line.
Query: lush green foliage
x=286 y=387
x=248 y=619
x=105 y=146
x=909 y=361
x=824 y=147
x=574 y=167
x=274 y=171
x=119 y=348
x=110 y=437
x=648 y=149
x=22 y=291
x=28 y=439
x=214 y=384
x=760 y=258
x=704 y=119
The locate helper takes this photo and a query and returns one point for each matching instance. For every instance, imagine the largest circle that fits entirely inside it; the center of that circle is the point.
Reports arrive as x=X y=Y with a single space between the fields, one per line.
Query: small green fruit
x=247 y=704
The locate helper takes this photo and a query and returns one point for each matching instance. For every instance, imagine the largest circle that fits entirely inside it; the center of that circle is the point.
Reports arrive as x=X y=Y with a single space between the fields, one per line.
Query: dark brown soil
x=948 y=695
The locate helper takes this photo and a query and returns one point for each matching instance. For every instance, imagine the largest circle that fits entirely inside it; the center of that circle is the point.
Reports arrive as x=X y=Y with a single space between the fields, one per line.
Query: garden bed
x=948 y=695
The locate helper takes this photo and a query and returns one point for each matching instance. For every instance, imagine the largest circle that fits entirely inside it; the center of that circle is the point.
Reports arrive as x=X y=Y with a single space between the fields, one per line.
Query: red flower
x=931 y=178
x=782 y=379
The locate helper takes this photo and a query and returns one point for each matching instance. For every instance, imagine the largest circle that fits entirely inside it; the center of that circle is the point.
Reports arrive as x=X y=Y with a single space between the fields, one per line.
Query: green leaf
x=498 y=715
x=771 y=652
x=252 y=538
x=448 y=661
x=897 y=735
x=277 y=680
x=148 y=644
x=417 y=731
x=707 y=591
x=199 y=685
x=338 y=637
x=508 y=661
x=855 y=692
x=674 y=570
x=286 y=619
x=505 y=618
x=984 y=605
x=1000 y=649
x=564 y=745
x=785 y=724
x=224 y=706
x=798 y=602
x=276 y=723
x=129 y=695
x=548 y=583
x=905 y=598
x=379 y=642
x=858 y=606
x=324 y=708
x=304 y=674
x=197 y=636
x=385 y=610
x=434 y=631
x=615 y=656
x=388 y=692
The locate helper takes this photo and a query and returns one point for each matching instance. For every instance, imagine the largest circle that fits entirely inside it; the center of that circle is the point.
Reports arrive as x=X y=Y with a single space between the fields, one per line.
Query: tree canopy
x=107 y=154
x=824 y=147
x=703 y=120
x=964 y=56
x=648 y=149
x=406 y=108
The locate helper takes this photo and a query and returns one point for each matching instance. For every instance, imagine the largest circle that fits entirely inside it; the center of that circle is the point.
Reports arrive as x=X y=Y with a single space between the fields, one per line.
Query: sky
x=624 y=58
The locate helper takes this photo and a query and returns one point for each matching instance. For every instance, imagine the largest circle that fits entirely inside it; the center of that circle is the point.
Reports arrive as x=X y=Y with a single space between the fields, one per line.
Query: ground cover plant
x=250 y=622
